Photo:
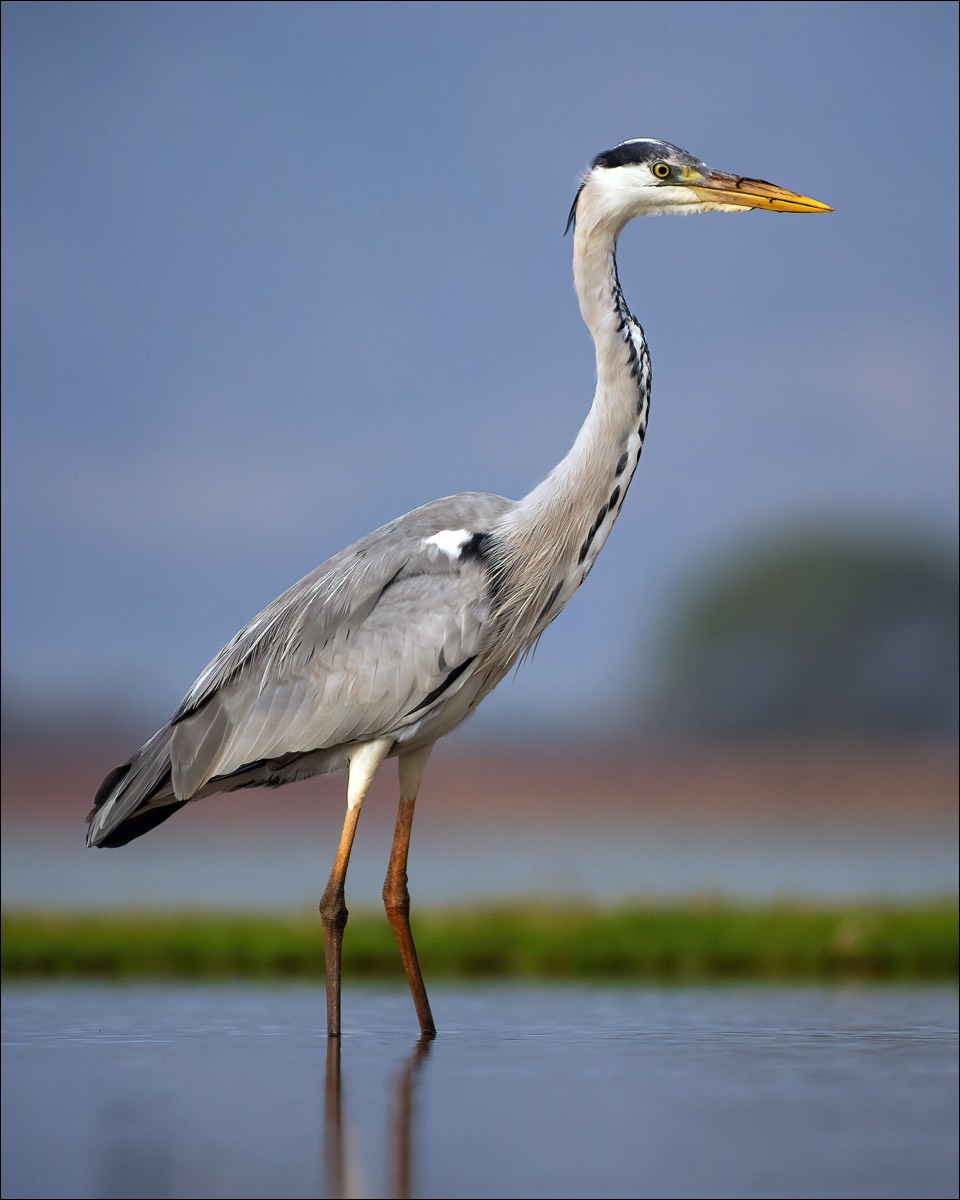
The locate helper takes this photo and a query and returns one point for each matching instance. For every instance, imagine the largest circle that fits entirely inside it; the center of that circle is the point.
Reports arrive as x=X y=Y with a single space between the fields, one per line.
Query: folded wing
x=366 y=646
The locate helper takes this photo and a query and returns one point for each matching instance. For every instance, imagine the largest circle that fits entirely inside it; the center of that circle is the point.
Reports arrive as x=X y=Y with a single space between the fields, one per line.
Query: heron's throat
x=552 y=538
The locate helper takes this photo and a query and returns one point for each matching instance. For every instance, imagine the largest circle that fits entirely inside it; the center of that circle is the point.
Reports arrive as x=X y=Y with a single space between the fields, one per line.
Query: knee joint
x=333 y=910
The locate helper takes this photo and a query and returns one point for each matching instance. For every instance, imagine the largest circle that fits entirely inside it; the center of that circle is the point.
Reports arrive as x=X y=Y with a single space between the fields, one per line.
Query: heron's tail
x=134 y=797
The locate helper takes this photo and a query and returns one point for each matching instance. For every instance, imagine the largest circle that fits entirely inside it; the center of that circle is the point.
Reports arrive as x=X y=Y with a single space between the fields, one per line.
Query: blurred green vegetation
x=684 y=943
x=816 y=633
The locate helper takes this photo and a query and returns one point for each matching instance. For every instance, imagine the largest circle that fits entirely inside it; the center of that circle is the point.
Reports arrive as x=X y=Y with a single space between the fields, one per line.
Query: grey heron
x=391 y=643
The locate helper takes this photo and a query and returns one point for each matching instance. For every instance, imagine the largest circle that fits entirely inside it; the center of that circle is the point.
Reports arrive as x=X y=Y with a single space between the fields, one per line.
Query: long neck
x=555 y=533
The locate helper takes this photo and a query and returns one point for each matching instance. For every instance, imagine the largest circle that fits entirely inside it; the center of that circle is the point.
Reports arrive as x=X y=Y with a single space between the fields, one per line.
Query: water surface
x=171 y=1091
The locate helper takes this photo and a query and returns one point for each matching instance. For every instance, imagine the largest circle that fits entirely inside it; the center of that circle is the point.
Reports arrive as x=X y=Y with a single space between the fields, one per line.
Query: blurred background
x=276 y=273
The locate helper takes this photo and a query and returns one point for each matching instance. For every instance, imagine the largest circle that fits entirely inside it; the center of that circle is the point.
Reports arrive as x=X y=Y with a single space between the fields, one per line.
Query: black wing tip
x=137 y=824
x=108 y=787
x=141 y=819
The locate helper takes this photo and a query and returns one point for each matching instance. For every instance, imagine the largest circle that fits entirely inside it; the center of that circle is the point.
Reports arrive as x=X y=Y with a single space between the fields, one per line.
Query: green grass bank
x=691 y=942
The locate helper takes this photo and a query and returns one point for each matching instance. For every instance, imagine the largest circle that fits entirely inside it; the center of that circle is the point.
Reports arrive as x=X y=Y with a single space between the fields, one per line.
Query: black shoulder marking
x=439 y=690
x=476 y=546
x=482 y=548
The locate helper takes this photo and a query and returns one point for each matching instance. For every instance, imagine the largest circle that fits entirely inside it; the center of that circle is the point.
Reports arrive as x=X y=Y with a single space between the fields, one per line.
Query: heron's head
x=645 y=176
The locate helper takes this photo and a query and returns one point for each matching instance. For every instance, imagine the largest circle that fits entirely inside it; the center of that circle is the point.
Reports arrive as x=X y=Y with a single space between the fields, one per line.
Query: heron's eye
x=661 y=170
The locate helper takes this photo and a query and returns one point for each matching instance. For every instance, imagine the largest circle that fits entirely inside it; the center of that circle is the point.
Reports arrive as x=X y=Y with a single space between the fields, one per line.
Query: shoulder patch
x=448 y=541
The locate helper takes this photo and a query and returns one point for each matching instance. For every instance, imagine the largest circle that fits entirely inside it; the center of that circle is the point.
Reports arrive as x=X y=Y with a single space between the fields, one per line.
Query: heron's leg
x=396 y=897
x=364 y=761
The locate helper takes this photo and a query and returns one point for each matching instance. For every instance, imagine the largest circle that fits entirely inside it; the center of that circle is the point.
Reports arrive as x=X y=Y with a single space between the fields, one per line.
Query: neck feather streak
x=549 y=542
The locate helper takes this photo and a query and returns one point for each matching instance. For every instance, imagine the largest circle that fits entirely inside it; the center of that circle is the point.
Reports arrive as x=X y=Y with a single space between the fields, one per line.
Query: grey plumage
x=320 y=668
x=392 y=642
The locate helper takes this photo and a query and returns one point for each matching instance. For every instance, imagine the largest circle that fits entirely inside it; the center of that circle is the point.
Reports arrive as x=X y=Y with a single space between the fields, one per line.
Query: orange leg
x=364 y=762
x=396 y=897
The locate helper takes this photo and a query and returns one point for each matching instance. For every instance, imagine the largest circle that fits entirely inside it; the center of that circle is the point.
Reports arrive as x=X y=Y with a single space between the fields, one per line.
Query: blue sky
x=276 y=273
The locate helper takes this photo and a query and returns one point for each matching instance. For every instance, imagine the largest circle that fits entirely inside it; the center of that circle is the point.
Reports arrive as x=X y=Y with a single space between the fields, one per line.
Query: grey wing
x=368 y=645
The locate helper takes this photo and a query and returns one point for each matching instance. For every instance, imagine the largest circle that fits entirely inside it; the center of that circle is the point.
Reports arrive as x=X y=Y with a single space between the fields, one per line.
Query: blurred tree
x=816 y=634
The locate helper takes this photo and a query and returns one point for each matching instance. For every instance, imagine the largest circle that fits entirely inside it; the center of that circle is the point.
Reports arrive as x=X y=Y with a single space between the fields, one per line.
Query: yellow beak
x=720 y=188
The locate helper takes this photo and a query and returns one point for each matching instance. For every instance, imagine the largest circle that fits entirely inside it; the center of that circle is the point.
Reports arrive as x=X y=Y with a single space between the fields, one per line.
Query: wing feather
x=346 y=655
x=196 y=747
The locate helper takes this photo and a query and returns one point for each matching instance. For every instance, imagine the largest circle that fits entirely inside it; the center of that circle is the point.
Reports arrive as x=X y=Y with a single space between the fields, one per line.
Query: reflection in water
x=401 y=1123
x=333 y=1121
x=403 y=1113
